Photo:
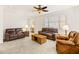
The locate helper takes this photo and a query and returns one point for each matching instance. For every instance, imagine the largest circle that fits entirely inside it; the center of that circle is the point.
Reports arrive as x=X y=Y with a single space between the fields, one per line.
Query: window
x=51 y=22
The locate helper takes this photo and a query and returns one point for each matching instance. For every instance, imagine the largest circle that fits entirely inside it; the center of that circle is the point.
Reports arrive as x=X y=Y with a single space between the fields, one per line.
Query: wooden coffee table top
x=38 y=35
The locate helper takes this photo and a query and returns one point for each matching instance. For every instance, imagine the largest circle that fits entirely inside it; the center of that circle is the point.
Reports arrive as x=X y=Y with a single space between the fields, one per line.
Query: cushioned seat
x=69 y=46
x=49 y=32
x=15 y=33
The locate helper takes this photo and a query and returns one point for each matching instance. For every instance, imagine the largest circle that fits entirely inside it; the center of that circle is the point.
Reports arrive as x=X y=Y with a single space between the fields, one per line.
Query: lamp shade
x=26 y=26
x=23 y=29
x=65 y=27
x=32 y=26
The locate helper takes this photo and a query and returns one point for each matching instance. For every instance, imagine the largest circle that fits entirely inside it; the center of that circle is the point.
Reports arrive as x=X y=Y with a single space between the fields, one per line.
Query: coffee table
x=39 y=38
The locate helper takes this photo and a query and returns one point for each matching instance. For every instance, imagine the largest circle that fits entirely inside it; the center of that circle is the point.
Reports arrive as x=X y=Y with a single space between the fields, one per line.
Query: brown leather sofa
x=15 y=33
x=49 y=32
x=68 y=45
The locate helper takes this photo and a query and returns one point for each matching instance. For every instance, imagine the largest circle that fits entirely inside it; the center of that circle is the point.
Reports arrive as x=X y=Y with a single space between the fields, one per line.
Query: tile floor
x=27 y=46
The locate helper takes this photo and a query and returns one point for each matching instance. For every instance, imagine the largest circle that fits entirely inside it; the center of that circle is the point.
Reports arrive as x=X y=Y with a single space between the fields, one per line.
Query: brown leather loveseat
x=49 y=32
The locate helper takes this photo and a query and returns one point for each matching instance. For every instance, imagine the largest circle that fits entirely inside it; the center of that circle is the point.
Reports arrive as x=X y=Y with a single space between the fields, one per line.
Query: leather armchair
x=69 y=44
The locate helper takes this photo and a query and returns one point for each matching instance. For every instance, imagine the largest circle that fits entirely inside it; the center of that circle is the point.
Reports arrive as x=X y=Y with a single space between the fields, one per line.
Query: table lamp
x=25 y=28
x=66 y=28
x=32 y=28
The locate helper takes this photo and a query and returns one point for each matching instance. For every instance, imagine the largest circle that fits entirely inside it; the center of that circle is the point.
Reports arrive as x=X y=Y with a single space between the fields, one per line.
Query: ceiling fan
x=40 y=8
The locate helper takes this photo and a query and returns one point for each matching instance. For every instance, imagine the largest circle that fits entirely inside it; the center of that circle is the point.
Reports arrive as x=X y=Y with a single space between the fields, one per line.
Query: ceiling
x=30 y=11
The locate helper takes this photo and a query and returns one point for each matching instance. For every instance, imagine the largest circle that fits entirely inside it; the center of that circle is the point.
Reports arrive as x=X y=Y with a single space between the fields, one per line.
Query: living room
x=61 y=19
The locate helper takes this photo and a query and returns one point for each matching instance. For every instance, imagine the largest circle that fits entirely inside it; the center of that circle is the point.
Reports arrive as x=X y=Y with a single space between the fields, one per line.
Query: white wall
x=14 y=17
x=1 y=24
x=71 y=16
x=73 y=19
x=38 y=22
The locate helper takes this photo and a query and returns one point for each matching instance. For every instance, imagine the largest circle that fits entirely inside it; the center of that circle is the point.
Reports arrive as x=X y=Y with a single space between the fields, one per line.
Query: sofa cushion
x=49 y=34
x=18 y=30
x=62 y=37
x=77 y=39
x=50 y=30
x=44 y=29
x=42 y=32
x=71 y=34
x=46 y=33
x=66 y=42
x=10 y=31
x=71 y=39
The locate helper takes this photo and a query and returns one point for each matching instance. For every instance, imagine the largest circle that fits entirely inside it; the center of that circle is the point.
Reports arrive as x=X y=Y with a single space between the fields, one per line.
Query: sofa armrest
x=61 y=37
x=66 y=42
x=6 y=34
x=39 y=31
x=77 y=44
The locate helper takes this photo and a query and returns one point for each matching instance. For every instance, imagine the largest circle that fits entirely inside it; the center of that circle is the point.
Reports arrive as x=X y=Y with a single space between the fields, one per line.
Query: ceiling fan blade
x=44 y=10
x=36 y=8
x=44 y=7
